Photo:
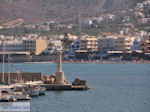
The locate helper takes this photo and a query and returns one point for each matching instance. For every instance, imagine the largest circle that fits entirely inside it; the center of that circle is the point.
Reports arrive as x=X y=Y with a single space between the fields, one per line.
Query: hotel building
x=89 y=43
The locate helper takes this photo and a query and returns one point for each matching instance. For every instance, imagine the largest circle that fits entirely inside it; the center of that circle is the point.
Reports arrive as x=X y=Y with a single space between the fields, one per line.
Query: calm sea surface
x=114 y=88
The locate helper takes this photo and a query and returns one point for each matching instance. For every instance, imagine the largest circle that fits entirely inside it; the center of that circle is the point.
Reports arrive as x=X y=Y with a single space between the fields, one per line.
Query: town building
x=108 y=16
x=143 y=44
x=85 y=22
x=105 y=44
x=75 y=46
x=125 y=31
x=88 y=47
x=123 y=43
x=136 y=44
x=89 y=43
x=35 y=45
x=53 y=46
x=108 y=35
x=1 y=27
x=10 y=44
x=148 y=44
x=13 y=24
x=43 y=27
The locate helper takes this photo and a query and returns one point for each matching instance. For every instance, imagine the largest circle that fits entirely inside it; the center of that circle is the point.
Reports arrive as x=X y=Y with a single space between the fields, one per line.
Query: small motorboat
x=32 y=91
x=8 y=98
x=40 y=89
x=6 y=95
x=21 y=94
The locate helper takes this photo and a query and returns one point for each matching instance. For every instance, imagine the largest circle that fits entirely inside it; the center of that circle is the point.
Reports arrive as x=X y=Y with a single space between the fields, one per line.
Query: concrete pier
x=54 y=82
x=58 y=80
x=57 y=87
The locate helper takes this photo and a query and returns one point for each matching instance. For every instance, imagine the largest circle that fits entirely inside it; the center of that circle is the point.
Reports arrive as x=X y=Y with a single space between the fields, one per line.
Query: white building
x=89 y=43
x=53 y=46
x=86 y=22
x=125 y=31
x=11 y=46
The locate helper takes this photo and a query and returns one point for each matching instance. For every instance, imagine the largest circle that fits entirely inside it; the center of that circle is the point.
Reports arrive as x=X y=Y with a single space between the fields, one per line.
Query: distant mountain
x=40 y=10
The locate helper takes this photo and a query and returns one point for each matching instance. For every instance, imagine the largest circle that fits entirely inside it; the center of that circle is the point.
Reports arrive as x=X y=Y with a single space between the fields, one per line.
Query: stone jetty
x=58 y=80
x=55 y=81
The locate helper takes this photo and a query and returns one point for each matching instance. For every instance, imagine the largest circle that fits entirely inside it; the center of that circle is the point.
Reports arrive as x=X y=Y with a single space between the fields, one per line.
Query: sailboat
x=6 y=95
x=3 y=62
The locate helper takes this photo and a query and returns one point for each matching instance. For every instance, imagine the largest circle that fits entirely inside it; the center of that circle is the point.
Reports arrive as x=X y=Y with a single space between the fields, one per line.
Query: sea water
x=114 y=88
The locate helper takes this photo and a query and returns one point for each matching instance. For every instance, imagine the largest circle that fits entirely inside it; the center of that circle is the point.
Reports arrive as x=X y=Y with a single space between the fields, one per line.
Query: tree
x=66 y=42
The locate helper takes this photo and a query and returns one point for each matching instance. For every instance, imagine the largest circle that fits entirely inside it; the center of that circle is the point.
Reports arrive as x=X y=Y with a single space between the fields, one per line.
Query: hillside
x=40 y=10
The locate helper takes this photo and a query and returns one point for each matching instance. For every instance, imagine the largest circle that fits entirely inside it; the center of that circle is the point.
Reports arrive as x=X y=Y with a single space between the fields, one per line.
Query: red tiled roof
x=107 y=34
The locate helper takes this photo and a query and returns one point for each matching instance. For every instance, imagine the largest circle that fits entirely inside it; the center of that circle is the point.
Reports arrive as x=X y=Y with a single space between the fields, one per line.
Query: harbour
x=110 y=84
x=55 y=81
x=75 y=56
x=23 y=86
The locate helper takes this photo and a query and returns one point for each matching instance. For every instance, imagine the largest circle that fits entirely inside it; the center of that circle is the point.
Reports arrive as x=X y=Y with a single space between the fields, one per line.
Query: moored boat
x=21 y=94
x=41 y=90
x=32 y=91
x=6 y=95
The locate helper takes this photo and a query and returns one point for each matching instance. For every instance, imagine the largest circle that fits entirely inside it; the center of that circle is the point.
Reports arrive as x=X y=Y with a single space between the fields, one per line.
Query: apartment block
x=35 y=46
x=123 y=43
x=148 y=44
x=105 y=44
x=89 y=43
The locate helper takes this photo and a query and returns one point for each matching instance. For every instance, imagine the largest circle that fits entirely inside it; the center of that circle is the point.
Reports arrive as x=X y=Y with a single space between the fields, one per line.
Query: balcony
x=127 y=44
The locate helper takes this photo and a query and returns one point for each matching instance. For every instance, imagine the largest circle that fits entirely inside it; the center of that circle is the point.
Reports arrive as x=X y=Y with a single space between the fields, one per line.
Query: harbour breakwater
x=57 y=81
x=30 y=58
x=77 y=84
x=25 y=76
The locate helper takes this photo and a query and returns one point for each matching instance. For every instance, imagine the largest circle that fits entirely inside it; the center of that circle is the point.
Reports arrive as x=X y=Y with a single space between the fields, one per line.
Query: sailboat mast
x=8 y=68
x=3 y=61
